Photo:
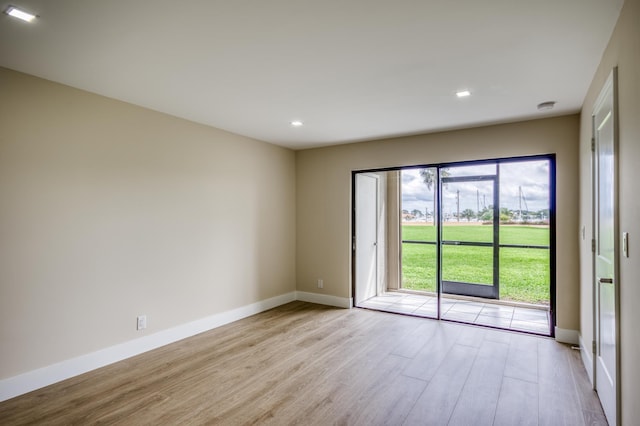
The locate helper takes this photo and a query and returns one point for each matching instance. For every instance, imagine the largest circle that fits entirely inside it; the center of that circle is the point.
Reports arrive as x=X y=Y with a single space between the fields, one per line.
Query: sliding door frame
x=551 y=158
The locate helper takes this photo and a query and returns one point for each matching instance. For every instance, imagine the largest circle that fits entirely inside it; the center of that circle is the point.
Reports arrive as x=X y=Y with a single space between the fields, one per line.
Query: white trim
x=587 y=358
x=325 y=299
x=564 y=335
x=36 y=379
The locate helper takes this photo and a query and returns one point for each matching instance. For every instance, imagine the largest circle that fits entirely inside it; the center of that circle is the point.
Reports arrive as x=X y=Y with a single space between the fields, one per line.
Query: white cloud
x=415 y=194
x=531 y=176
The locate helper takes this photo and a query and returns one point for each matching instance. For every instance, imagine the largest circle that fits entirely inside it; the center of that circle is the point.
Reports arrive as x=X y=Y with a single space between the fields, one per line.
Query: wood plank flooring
x=314 y=365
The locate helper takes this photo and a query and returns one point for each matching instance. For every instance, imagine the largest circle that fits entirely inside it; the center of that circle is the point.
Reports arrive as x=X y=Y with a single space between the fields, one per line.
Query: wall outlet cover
x=141 y=322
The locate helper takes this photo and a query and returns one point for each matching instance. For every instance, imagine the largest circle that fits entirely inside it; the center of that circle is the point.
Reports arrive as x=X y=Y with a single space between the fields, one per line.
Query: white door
x=604 y=133
x=366 y=237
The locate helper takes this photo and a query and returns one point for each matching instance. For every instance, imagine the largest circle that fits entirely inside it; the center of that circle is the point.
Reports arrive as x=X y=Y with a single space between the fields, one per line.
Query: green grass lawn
x=524 y=273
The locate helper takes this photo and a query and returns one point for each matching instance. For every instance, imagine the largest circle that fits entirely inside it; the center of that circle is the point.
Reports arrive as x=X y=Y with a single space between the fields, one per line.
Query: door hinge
x=593 y=346
x=593 y=245
x=593 y=144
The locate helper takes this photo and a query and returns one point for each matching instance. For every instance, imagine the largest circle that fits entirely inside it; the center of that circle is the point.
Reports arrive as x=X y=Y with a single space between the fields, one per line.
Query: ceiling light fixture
x=296 y=123
x=463 y=93
x=545 y=106
x=20 y=14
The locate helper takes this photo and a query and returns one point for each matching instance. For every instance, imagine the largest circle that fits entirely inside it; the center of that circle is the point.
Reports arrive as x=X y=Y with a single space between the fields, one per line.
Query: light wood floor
x=309 y=364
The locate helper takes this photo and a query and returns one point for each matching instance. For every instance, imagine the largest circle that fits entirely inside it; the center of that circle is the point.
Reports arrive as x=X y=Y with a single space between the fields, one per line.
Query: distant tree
x=468 y=214
x=486 y=214
x=429 y=176
x=405 y=211
x=543 y=214
x=505 y=214
x=417 y=213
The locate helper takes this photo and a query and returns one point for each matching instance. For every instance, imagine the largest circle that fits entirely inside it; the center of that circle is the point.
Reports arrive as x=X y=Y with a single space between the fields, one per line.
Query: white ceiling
x=351 y=70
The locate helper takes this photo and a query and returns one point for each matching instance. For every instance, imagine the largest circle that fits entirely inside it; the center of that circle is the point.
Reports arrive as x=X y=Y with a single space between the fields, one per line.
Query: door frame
x=609 y=88
x=551 y=157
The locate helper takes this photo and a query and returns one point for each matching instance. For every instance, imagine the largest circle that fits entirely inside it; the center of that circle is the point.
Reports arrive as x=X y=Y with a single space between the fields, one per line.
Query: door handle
x=605 y=280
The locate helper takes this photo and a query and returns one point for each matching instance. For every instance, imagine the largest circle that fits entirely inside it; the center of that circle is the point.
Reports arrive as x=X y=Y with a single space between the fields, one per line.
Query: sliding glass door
x=469 y=242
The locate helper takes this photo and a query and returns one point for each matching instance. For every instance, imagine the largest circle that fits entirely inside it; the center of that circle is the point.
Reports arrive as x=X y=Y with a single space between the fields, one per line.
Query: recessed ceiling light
x=463 y=93
x=296 y=123
x=545 y=106
x=20 y=14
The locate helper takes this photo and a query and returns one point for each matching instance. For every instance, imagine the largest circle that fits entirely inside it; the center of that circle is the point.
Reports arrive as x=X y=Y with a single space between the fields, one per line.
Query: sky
x=531 y=176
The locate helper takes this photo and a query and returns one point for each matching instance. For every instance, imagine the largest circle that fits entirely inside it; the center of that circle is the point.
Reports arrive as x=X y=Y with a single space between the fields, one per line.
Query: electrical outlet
x=320 y=283
x=142 y=322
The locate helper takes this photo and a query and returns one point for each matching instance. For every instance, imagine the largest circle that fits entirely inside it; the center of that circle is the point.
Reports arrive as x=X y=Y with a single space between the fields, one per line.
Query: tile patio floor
x=473 y=312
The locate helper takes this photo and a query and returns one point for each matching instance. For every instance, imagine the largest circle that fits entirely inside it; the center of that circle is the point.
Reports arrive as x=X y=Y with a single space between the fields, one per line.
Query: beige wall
x=108 y=211
x=623 y=51
x=324 y=195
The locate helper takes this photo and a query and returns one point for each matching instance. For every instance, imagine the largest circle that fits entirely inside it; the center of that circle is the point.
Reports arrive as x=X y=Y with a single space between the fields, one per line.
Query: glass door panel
x=419 y=250
x=525 y=231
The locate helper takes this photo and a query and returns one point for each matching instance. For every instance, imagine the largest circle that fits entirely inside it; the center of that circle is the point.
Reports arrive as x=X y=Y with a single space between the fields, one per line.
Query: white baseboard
x=587 y=358
x=564 y=335
x=325 y=299
x=35 y=379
